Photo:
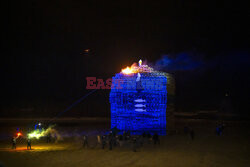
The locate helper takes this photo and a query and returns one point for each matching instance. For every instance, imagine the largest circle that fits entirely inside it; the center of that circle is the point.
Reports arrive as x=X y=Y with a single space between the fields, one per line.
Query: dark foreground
x=207 y=149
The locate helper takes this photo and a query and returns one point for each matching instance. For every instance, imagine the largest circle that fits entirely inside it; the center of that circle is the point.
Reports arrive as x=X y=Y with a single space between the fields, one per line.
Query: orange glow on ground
x=36 y=148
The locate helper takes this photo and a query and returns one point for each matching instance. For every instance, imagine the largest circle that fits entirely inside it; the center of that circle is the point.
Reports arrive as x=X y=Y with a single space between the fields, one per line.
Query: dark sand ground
x=207 y=149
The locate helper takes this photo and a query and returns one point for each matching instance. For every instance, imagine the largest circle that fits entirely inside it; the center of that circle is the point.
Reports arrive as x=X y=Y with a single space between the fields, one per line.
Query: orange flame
x=18 y=135
x=127 y=70
x=130 y=70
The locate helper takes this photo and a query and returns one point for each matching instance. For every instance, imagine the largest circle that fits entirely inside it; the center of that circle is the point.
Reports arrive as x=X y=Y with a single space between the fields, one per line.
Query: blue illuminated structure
x=139 y=101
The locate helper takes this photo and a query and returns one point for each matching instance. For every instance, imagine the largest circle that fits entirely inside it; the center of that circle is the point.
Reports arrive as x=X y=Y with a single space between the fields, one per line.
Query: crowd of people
x=112 y=139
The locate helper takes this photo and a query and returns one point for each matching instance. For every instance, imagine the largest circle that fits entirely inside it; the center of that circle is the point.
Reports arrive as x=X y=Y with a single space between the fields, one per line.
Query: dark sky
x=43 y=70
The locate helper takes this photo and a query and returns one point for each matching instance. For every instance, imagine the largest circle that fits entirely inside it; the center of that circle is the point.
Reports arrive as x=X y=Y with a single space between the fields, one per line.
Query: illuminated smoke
x=179 y=62
x=44 y=132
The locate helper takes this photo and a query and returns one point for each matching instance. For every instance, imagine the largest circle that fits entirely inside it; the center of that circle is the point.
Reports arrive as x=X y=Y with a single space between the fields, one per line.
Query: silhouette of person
x=103 y=141
x=134 y=144
x=85 y=141
x=13 y=143
x=156 y=139
x=28 y=144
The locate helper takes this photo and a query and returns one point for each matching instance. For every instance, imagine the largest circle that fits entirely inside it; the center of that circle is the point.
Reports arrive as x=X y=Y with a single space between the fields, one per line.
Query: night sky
x=43 y=64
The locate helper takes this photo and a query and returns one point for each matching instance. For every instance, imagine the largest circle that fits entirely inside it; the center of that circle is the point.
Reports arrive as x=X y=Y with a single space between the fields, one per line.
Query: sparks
x=137 y=69
x=18 y=135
